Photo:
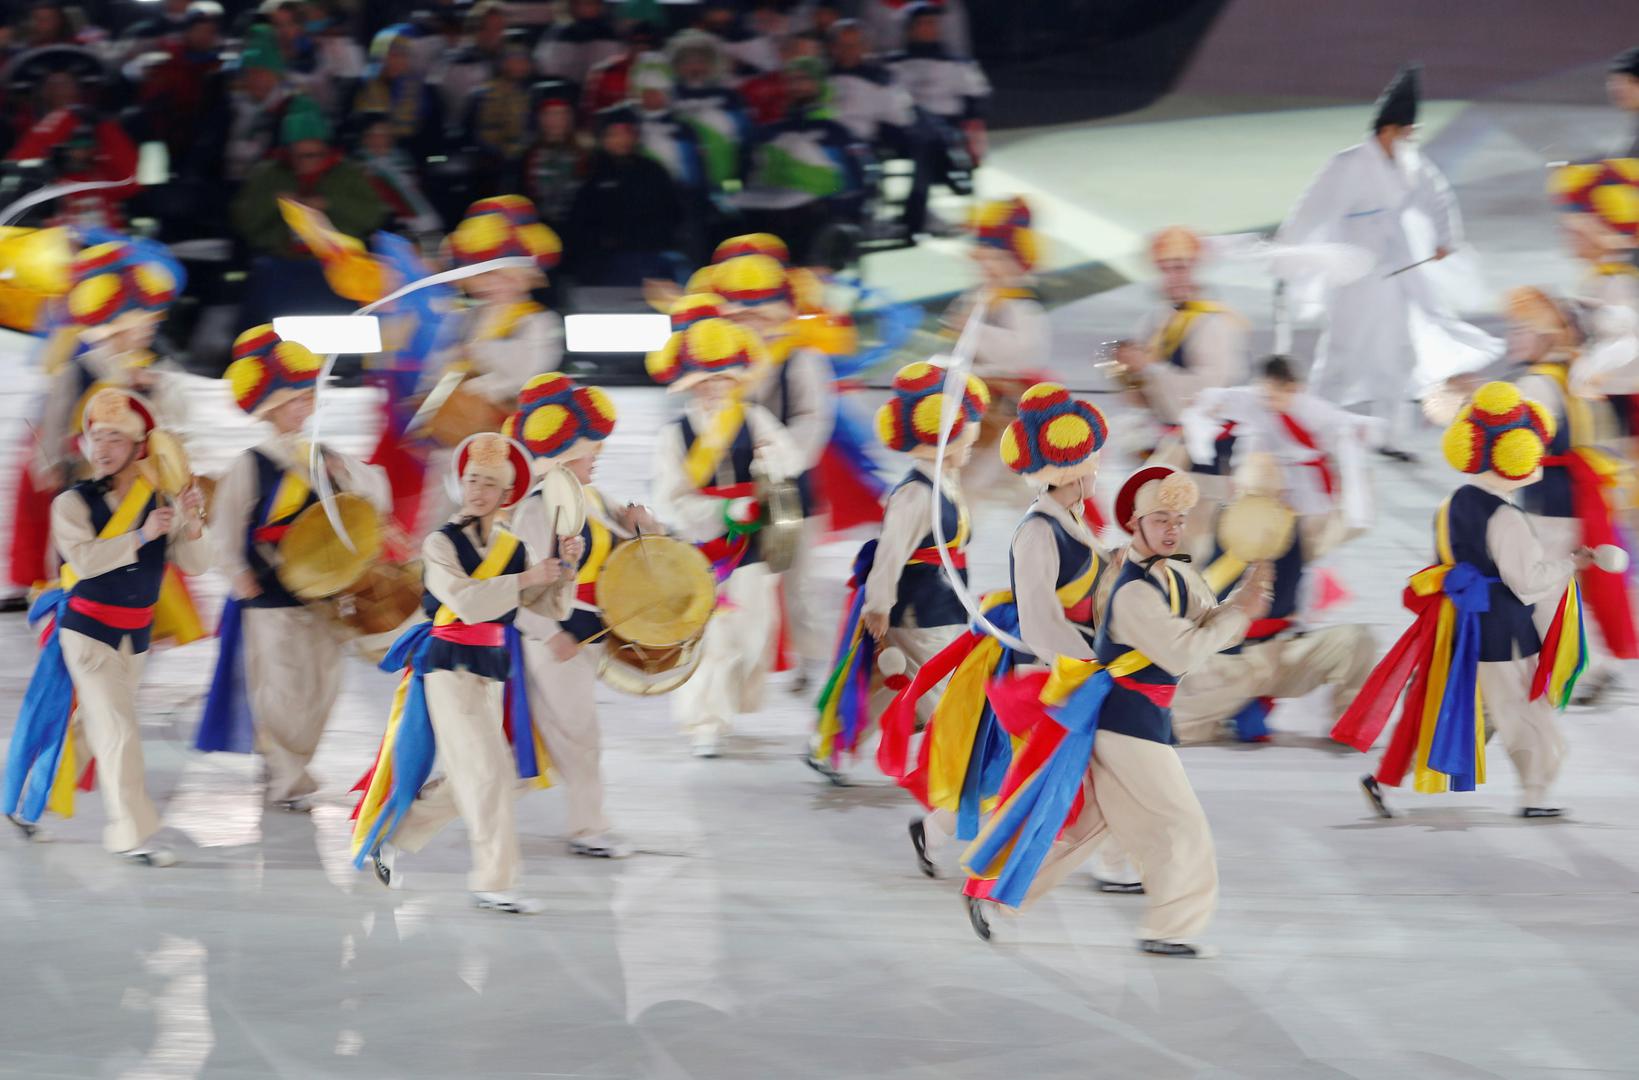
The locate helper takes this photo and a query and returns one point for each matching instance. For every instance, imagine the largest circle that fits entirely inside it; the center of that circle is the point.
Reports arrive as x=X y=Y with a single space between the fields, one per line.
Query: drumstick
x=1411 y=266
x=612 y=623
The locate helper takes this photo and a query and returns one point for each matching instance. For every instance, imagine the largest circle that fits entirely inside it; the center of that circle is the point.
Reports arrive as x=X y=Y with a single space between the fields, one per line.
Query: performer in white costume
x=1389 y=338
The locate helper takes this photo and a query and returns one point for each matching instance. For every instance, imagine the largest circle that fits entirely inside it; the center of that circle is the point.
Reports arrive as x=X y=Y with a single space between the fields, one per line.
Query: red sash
x=270 y=534
x=1158 y=694
x=120 y=618
x=1300 y=434
x=587 y=593
x=929 y=556
x=490 y=634
x=1266 y=628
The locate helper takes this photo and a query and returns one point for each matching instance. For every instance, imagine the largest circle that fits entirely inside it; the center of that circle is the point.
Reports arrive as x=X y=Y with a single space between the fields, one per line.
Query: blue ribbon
x=1452 y=747
x=227 y=722
x=42 y=724
x=992 y=750
x=1251 y=723
x=850 y=440
x=896 y=322
x=517 y=706
x=413 y=746
x=1031 y=820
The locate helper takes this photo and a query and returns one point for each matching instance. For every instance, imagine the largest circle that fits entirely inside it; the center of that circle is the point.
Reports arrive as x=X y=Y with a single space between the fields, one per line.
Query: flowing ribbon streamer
x=1453 y=746
x=56 y=191
x=39 y=743
x=405 y=759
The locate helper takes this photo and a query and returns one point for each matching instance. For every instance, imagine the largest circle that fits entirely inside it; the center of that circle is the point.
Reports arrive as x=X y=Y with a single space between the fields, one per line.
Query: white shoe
x=510 y=902
x=600 y=846
x=383 y=862
x=706 y=744
x=150 y=856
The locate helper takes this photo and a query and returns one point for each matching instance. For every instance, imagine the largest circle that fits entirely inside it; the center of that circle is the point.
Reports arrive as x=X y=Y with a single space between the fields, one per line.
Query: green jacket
x=349 y=201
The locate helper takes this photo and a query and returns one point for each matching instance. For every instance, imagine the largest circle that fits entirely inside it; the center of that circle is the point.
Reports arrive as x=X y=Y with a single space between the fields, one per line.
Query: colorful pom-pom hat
x=1056 y=438
x=1154 y=488
x=1609 y=190
x=1501 y=431
x=268 y=371
x=492 y=454
x=504 y=226
x=752 y=244
x=751 y=281
x=693 y=307
x=909 y=420
x=113 y=283
x=707 y=348
x=1004 y=224
x=558 y=420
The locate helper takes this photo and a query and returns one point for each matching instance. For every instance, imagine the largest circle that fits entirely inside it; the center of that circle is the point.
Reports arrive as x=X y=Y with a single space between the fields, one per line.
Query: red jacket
x=115 y=158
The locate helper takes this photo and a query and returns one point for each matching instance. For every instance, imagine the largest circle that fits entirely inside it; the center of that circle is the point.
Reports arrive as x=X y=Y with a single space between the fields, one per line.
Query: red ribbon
x=488 y=634
x=1157 y=694
x=587 y=593
x=1606 y=593
x=270 y=534
x=1301 y=435
x=120 y=618
x=1367 y=715
x=930 y=556
x=1266 y=628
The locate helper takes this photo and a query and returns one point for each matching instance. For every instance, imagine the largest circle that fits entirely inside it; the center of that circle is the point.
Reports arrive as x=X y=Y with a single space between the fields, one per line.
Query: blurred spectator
x=556 y=162
x=476 y=62
x=339 y=60
x=81 y=148
x=176 y=92
x=290 y=36
x=817 y=17
x=160 y=32
x=52 y=78
x=571 y=50
x=948 y=89
x=244 y=128
x=765 y=93
x=1622 y=83
x=663 y=135
x=624 y=219
x=869 y=101
x=392 y=172
x=751 y=52
x=498 y=123
x=391 y=87
x=885 y=24
x=307 y=168
x=50 y=24
x=607 y=83
x=807 y=170
x=715 y=110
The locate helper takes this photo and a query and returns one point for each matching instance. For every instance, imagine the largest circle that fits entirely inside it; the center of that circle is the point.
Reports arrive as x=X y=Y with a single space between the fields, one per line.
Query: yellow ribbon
x=1171 y=335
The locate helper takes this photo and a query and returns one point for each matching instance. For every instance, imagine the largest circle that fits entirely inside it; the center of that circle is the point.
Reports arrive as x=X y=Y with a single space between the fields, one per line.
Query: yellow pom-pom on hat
x=752 y=281
x=707 y=348
x=909 y=420
x=504 y=226
x=752 y=244
x=1056 y=438
x=267 y=370
x=1004 y=224
x=1500 y=431
x=560 y=420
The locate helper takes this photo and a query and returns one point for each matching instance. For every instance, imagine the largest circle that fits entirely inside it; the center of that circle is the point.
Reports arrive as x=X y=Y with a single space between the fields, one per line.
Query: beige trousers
x=919 y=646
x=1529 y=730
x=105 y=691
x=1137 y=791
x=563 y=701
x=480 y=779
x=803 y=625
x=736 y=652
x=293 y=665
x=1338 y=656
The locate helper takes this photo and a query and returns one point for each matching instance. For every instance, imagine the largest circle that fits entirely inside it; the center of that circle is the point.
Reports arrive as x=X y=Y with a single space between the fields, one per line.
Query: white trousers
x=802 y=617
x=480 y=779
x=293 y=665
x=736 y=653
x=1338 y=656
x=563 y=701
x=105 y=693
x=1529 y=730
x=1138 y=793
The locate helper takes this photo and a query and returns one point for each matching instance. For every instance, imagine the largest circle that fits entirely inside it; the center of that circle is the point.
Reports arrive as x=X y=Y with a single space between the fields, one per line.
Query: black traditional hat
x=1626 y=62
x=1398 y=102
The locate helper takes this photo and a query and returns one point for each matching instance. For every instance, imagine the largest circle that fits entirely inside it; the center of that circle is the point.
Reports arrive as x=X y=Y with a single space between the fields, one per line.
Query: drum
x=464 y=412
x=1256 y=528
x=567 y=497
x=373 y=610
x=781 y=533
x=315 y=563
x=656 y=594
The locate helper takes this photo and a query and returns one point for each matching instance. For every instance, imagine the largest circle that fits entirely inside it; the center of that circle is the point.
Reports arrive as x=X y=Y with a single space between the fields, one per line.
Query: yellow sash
x=1166 y=342
x=1578 y=417
x=709 y=445
x=124 y=518
x=288 y=498
x=502 y=545
x=597 y=553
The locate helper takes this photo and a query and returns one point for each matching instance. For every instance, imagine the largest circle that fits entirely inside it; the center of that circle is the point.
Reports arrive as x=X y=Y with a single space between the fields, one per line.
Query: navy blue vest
x=1551 y=495
x=268 y=477
x=1507 y=626
x=488 y=661
x=739 y=460
x=923 y=587
x=1128 y=712
x=1075 y=559
x=134 y=585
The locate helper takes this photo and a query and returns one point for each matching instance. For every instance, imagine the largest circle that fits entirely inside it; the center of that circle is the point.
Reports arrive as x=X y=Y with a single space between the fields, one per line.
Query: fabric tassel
x=844 y=702
x=1252 y=722
x=1452 y=749
x=408 y=749
x=1564 y=655
x=227 y=723
x=527 y=746
x=36 y=756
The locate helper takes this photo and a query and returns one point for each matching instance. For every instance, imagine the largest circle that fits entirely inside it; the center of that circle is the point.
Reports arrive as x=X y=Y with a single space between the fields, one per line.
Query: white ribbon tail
x=56 y=191
x=315 y=458
x=961 y=362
